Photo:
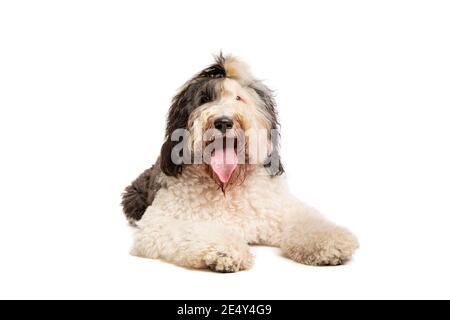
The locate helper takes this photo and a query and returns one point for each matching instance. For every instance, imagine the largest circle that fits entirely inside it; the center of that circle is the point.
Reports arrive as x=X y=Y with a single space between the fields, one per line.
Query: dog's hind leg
x=192 y=244
x=309 y=238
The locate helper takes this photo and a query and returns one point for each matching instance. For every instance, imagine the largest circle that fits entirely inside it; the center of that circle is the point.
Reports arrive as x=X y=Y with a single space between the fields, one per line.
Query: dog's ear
x=273 y=163
x=174 y=122
x=177 y=118
x=167 y=166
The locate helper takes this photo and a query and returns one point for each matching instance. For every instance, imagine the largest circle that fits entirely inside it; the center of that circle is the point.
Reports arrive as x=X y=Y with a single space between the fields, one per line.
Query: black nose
x=223 y=124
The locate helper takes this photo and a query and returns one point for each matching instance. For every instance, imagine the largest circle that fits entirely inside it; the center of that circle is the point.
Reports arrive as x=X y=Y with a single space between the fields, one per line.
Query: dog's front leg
x=192 y=244
x=308 y=238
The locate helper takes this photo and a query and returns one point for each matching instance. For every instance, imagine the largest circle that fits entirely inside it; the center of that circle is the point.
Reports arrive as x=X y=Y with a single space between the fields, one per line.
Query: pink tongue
x=223 y=162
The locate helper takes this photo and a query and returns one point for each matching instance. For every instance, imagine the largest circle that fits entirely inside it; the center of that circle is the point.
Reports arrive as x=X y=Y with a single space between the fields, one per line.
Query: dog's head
x=222 y=121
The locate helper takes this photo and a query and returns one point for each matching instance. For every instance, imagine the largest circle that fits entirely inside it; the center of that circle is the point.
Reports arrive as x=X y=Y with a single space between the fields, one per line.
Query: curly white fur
x=194 y=224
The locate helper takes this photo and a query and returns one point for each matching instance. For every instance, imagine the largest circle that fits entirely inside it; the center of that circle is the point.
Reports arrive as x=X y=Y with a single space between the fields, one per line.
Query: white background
x=363 y=89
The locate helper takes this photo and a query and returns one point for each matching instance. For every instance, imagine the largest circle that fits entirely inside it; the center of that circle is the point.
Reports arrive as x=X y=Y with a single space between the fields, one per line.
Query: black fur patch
x=216 y=70
x=141 y=193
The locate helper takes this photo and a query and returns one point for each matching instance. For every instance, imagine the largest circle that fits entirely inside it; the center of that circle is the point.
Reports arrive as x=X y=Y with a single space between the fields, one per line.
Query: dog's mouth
x=224 y=158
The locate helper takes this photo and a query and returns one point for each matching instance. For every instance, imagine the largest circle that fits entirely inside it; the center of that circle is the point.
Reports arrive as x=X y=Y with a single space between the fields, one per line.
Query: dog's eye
x=239 y=98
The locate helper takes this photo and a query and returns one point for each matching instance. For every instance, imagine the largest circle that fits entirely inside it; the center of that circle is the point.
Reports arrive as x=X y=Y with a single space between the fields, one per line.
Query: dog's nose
x=223 y=124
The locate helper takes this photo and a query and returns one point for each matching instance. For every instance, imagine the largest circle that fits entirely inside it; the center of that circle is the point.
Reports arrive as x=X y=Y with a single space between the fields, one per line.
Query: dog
x=219 y=186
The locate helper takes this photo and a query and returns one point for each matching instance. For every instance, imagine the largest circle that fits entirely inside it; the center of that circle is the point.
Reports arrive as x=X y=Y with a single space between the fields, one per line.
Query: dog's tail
x=140 y=193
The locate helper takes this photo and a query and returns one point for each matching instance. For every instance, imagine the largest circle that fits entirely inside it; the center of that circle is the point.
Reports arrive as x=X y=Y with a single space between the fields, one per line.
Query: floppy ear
x=177 y=118
x=273 y=162
x=167 y=165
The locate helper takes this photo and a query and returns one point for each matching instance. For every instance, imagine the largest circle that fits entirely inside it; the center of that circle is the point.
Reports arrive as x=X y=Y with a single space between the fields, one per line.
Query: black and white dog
x=218 y=185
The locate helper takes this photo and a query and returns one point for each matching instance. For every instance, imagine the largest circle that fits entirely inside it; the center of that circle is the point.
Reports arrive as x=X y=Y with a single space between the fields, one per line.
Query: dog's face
x=228 y=123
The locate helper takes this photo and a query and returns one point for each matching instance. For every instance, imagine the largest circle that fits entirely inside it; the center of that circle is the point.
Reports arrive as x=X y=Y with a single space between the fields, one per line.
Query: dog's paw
x=324 y=247
x=228 y=260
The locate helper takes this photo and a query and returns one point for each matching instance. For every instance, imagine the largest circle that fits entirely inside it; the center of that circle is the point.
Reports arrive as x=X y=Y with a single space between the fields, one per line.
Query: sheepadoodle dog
x=218 y=185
